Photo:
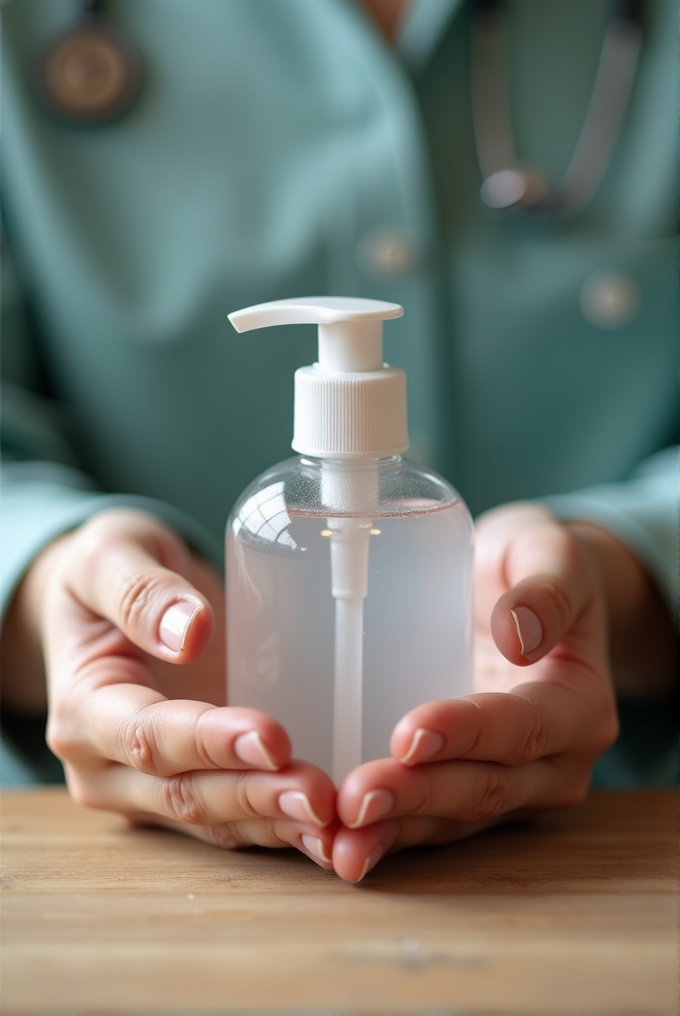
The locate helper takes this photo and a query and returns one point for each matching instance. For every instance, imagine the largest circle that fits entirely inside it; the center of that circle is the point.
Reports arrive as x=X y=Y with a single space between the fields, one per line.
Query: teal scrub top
x=279 y=149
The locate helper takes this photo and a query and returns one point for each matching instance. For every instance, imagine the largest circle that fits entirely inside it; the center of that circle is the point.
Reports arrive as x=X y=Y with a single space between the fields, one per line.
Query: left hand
x=527 y=739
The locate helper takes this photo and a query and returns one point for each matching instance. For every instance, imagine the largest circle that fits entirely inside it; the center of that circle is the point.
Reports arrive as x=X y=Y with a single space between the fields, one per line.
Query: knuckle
x=243 y=781
x=59 y=742
x=179 y=799
x=532 y=738
x=93 y=540
x=269 y=832
x=95 y=536
x=140 y=744
x=137 y=593
x=560 y=601
x=491 y=795
x=61 y=737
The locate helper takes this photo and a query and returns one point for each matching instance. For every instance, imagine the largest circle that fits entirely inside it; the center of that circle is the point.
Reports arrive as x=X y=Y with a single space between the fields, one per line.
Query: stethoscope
x=507 y=184
x=90 y=75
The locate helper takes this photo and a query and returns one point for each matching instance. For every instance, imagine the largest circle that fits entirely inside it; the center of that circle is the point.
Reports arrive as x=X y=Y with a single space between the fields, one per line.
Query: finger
x=301 y=793
x=551 y=588
x=128 y=568
x=272 y=833
x=462 y=791
x=136 y=725
x=317 y=844
x=510 y=728
x=535 y=720
x=357 y=851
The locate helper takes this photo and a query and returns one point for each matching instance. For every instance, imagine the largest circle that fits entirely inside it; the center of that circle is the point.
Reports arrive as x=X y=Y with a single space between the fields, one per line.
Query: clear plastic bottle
x=348 y=586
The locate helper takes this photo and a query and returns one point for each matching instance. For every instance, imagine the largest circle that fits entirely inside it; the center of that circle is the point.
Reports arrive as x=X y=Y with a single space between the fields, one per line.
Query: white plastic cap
x=349 y=404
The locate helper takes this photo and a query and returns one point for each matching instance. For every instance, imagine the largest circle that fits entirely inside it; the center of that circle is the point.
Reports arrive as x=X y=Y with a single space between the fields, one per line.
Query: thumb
x=551 y=587
x=129 y=568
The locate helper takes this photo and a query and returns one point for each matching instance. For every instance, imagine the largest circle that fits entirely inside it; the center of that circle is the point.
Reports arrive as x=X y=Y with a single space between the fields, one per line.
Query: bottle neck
x=349 y=485
x=352 y=463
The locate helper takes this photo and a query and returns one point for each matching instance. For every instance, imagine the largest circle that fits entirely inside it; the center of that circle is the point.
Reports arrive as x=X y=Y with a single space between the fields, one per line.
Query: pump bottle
x=349 y=596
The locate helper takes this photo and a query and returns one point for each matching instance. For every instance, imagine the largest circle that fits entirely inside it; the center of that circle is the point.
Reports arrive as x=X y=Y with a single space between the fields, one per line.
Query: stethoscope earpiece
x=89 y=74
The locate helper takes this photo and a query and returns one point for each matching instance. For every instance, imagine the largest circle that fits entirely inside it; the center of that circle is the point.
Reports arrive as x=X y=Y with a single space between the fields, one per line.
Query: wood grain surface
x=574 y=914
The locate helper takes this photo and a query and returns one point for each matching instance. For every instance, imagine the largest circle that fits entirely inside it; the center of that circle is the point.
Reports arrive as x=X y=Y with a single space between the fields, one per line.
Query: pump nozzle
x=350 y=330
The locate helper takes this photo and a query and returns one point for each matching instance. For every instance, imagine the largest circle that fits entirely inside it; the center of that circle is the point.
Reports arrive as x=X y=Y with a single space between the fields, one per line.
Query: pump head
x=349 y=404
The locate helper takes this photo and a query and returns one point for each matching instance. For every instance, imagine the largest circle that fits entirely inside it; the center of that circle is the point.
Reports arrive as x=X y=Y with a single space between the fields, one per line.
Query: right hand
x=131 y=626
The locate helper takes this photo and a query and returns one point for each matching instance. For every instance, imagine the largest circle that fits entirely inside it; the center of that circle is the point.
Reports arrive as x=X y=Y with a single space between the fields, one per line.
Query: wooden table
x=574 y=914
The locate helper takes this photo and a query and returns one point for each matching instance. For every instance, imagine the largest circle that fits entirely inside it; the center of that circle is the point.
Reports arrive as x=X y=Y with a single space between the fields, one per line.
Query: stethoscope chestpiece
x=89 y=74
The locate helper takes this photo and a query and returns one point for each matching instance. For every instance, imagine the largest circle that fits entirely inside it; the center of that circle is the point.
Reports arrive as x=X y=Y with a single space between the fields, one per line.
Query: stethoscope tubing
x=506 y=182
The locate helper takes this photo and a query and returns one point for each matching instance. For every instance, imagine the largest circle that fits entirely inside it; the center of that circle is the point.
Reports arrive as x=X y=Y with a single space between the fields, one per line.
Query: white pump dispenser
x=349 y=404
x=350 y=426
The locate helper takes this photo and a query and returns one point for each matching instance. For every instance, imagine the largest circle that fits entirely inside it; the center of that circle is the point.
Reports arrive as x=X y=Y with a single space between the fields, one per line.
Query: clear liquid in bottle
x=283 y=620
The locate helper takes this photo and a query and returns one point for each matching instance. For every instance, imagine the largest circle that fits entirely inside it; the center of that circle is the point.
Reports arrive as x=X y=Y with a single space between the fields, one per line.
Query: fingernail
x=172 y=631
x=529 y=629
x=317 y=848
x=376 y=804
x=295 y=804
x=425 y=745
x=250 y=749
x=371 y=862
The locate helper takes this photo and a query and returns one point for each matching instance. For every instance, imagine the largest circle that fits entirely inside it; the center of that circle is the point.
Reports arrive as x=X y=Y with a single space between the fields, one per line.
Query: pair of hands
x=117 y=604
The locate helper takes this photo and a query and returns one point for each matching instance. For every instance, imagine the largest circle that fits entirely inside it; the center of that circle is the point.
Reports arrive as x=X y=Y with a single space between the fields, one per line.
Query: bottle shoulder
x=348 y=488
